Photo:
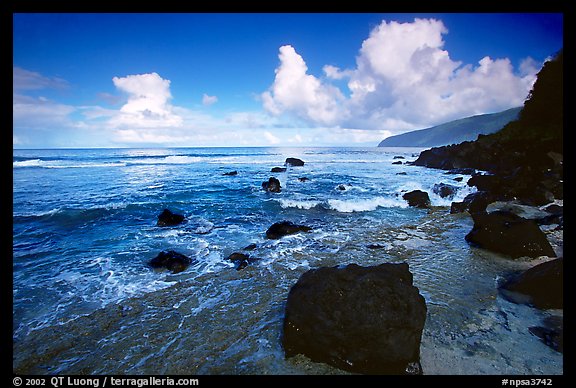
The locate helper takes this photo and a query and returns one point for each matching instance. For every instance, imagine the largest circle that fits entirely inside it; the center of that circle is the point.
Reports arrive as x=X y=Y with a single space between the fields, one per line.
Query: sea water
x=85 y=300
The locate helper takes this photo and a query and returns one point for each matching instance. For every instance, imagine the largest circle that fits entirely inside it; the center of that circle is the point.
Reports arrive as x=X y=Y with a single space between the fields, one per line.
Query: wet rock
x=524 y=211
x=473 y=203
x=506 y=233
x=278 y=169
x=458 y=207
x=272 y=186
x=284 y=228
x=231 y=173
x=250 y=247
x=167 y=218
x=540 y=286
x=398 y=162
x=343 y=187
x=375 y=246
x=295 y=162
x=241 y=260
x=360 y=319
x=171 y=260
x=444 y=190
x=461 y=171
x=417 y=198
x=553 y=209
x=398 y=157
x=401 y=173
x=551 y=333
x=555 y=215
x=303 y=179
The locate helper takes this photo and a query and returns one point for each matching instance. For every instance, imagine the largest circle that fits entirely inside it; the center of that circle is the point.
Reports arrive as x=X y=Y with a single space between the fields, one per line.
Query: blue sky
x=153 y=80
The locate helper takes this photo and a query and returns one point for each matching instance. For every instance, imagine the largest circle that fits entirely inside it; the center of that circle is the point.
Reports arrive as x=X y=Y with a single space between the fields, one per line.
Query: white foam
x=172 y=159
x=62 y=164
x=362 y=205
x=28 y=163
x=299 y=204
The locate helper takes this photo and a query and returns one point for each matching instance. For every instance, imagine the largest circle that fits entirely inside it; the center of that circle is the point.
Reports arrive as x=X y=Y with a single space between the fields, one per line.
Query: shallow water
x=85 y=300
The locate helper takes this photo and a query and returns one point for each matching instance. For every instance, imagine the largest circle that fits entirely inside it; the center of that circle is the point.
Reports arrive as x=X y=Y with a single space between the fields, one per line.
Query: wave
x=298 y=204
x=362 y=205
x=345 y=206
x=172 y=159
x=117 y=162
x=62 y=164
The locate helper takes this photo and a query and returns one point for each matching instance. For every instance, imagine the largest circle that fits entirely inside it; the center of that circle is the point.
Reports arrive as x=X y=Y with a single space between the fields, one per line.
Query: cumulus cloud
x=209 y=100
x=334 y=72
x=403 y=79
x=296 y=91
x=148 y=104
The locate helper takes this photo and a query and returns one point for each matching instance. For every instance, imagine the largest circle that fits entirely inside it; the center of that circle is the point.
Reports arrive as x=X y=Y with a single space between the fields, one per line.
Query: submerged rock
x=272 y=186
x=241 y=260
x=174 y=261
x=360 y=319
x=506 y=233
x=303 y=179
x=540 y=286
x=417 y=198
x=444 y=190
x=250 y=247
x=295 y=162
x=284 y=228
x=278 y=169
x=344 y=187
x=167 y=218
x=231 y=173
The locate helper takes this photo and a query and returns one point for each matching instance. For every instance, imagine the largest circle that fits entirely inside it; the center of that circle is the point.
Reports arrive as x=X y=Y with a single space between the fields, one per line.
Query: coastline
x=185 y=329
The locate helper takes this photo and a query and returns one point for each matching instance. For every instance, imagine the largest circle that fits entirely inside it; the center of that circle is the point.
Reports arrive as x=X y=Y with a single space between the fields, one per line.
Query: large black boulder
x=360 y=319
x=505 y=232
x=295 y=162
x=174 y=261
x=417 y=198
x=167 y=218
x=542 y=285
x=272 y=186
x=284 y=228
x=473 y=203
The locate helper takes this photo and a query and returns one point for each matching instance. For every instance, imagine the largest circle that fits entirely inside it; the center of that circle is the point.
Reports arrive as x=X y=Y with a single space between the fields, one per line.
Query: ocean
x=86 y=301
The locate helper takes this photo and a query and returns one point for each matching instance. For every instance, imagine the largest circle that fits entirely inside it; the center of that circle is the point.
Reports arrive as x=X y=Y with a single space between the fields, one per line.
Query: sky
x=83 y=80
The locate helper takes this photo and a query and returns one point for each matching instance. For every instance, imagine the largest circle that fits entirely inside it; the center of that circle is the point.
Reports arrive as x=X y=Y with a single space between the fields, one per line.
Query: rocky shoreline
x=522 y=175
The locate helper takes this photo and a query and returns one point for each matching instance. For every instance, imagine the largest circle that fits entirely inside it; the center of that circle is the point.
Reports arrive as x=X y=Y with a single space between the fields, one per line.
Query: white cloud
x=296 y=91
x=148 y=104
x=273 y=140
x=209 y=100
x=23 y=79
x=39 y=112
x=334 y=72
x=403 y=80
